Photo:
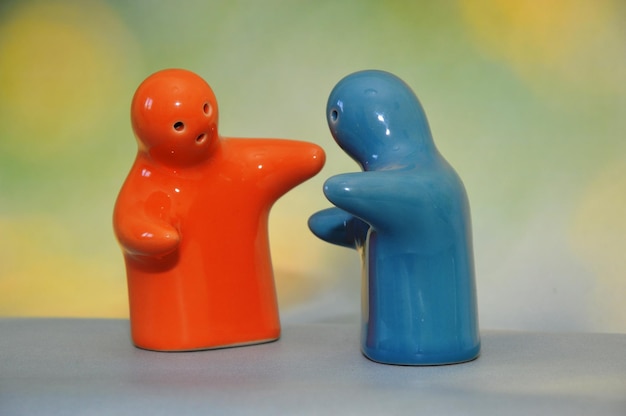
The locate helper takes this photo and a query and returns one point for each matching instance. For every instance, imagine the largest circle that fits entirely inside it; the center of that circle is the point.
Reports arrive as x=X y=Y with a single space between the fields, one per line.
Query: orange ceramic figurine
x=192 y=220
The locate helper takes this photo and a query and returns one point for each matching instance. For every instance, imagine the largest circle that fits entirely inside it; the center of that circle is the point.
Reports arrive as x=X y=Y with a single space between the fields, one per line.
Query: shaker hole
x=334 y=115
x=179 y=126
x=206 y=108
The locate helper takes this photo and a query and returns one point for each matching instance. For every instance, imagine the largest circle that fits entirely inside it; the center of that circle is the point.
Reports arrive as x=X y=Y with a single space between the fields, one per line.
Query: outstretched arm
x=277 y=165
x=379 y=198
x=339 y=227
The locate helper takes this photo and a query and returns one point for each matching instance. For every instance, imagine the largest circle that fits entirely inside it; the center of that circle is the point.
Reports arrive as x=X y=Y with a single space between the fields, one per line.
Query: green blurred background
x=526 y=99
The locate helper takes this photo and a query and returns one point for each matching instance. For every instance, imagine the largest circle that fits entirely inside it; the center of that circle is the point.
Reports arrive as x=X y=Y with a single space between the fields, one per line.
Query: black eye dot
x=206 y=108
x=334 y=114
x=179 y=126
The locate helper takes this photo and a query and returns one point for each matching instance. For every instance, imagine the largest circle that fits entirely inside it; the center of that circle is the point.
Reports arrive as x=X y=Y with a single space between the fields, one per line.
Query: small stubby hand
x=339 y=227
x=145 y=230
x=152 y=240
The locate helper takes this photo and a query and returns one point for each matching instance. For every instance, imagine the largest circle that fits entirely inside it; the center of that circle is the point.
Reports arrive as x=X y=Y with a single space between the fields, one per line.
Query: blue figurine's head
x=377 y=119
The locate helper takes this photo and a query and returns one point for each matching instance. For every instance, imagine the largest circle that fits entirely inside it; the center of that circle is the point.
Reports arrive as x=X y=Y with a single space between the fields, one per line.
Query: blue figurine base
x=427 y=359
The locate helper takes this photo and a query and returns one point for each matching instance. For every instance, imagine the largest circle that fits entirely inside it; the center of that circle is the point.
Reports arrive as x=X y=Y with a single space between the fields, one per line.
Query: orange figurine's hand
x=144 y=228
x=147 y=238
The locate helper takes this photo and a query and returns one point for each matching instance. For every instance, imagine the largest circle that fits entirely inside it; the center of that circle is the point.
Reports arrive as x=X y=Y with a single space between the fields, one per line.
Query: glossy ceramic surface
x=408 y=215
x=192 y=220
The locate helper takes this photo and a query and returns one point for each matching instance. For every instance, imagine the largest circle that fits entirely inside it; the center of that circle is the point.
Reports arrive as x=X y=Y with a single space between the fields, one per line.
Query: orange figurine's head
x=174 y=116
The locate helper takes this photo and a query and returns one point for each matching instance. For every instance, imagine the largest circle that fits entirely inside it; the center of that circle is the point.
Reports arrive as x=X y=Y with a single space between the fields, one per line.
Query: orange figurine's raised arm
x=192 y=220
x=274 y=165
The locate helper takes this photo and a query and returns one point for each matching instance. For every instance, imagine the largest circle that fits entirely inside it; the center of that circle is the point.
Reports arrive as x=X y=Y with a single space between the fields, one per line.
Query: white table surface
x=89 y=367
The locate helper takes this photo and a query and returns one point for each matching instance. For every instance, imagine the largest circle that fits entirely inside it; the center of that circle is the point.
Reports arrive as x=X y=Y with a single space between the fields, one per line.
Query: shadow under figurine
x=408 y=215
x=192 y=220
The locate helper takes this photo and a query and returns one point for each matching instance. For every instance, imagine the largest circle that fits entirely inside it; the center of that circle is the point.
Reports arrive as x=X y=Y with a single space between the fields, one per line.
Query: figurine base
x=211 y=347
x=422 y=359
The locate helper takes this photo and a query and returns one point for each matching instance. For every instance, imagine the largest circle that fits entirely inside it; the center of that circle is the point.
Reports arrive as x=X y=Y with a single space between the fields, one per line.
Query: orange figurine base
x=192 y=220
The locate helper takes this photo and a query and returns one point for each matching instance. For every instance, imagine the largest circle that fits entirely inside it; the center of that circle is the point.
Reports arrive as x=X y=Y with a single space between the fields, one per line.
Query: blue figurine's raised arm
x=385 y=199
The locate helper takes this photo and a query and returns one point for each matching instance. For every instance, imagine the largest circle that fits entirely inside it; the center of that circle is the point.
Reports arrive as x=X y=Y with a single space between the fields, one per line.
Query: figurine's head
x=377 y=119
x=174 y=116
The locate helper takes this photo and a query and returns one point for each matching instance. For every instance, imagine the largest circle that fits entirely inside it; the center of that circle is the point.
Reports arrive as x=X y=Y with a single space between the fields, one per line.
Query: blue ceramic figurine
x=408 y=215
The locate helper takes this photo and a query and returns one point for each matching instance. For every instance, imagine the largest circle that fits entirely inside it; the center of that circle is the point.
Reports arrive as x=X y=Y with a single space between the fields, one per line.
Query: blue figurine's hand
x=339 y=227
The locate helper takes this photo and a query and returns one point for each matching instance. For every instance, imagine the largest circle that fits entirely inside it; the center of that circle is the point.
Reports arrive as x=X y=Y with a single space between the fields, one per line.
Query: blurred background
x=526 y=99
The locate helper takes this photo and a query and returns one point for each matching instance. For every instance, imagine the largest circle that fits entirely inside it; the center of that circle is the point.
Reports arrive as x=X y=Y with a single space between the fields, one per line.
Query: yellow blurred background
x=526 y=99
